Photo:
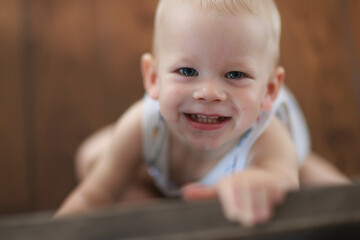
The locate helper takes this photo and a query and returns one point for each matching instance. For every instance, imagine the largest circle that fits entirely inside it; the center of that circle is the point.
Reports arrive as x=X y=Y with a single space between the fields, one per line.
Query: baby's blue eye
x=235 y=75
x=189 y=72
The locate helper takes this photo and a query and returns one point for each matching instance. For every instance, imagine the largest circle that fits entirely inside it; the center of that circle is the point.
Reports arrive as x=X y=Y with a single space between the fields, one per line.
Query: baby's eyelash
x=188 y=72
x=235 y=75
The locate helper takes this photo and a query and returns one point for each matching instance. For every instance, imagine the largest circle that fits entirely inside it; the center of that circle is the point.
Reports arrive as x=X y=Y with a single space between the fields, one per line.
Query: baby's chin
x=205 y=143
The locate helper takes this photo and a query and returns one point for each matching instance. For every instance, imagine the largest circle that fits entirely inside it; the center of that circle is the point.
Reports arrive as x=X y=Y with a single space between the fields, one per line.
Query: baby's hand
x=247 y=197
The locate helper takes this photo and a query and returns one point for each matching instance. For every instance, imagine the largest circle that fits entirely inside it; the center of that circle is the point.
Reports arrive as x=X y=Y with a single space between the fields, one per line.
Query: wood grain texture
x=319 y=62
x=326 y=213
x=14 y=187
x=86 y=73
x=352 y=26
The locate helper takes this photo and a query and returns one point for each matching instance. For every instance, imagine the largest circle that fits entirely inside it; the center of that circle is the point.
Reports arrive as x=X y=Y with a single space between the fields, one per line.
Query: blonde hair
x=265 y=9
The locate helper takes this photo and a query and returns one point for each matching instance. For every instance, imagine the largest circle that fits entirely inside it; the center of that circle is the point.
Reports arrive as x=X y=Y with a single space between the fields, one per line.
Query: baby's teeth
x=205 y=119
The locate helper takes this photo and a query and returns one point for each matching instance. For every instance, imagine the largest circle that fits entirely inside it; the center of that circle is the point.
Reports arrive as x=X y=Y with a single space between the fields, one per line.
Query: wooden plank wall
x=69 y=67
x=14 y=168
x=320 y=50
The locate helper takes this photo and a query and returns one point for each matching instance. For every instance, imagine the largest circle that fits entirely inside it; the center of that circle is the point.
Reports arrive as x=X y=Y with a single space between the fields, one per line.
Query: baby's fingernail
x=262 y=214
x=231 y=216
x=247 y=219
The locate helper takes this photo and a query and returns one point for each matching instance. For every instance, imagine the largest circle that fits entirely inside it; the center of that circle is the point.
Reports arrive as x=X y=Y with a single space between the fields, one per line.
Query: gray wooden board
x=322 y=213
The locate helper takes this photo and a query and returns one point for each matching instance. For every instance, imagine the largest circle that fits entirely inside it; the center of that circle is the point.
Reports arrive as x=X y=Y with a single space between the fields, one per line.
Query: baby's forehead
x=177 y=16
x=168 y=10
x=175 y=13
x=259 y=8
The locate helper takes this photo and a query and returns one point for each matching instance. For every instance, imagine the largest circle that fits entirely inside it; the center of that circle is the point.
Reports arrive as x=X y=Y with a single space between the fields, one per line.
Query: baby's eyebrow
x=244 y=61
x=244 y=64
x=185 y=58
x=182 y=61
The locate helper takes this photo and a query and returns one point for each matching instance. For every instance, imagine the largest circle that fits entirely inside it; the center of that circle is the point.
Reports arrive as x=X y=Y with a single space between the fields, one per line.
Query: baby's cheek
x=246 y=103
x=174 y=91
x=253 y=102
x=170 y=101
x=244 y=108
x=249 y=109
x=173 y=95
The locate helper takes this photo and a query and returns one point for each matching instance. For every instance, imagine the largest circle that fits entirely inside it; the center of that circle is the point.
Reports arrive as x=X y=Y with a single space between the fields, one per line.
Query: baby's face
x=213 y=71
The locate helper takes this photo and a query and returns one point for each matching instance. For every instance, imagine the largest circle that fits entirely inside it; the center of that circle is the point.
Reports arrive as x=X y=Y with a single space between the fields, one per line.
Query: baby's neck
x=189 y=164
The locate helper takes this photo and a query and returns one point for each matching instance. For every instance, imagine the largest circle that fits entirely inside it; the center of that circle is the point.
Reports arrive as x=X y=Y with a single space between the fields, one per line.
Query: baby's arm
x=249 y=196
x=111 y=175
x=317 y=172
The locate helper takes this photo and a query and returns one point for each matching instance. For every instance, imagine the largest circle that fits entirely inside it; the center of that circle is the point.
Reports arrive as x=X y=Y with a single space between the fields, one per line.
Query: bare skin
x=318 y=172
x=315 y=172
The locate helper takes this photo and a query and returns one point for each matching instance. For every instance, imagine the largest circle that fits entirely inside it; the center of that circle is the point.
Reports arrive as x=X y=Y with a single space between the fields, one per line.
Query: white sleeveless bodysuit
x=156 y=141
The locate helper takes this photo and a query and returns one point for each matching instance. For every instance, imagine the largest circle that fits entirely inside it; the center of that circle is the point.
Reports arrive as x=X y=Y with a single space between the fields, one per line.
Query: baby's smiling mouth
x=206 y=119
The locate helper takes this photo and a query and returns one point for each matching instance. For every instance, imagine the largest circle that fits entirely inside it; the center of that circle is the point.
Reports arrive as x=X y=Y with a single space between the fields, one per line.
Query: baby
x=216 y=120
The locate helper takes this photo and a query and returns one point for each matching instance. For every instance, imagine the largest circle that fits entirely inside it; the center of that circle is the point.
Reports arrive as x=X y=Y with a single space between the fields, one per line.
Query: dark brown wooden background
x=68 y=67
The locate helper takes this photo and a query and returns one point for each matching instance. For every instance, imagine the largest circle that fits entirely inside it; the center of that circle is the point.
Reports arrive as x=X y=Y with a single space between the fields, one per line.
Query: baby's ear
x=149 y=74
x=273 y=87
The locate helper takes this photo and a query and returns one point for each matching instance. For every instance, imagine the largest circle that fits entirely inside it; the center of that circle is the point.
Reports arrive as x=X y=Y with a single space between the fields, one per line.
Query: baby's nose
x=209 y=91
